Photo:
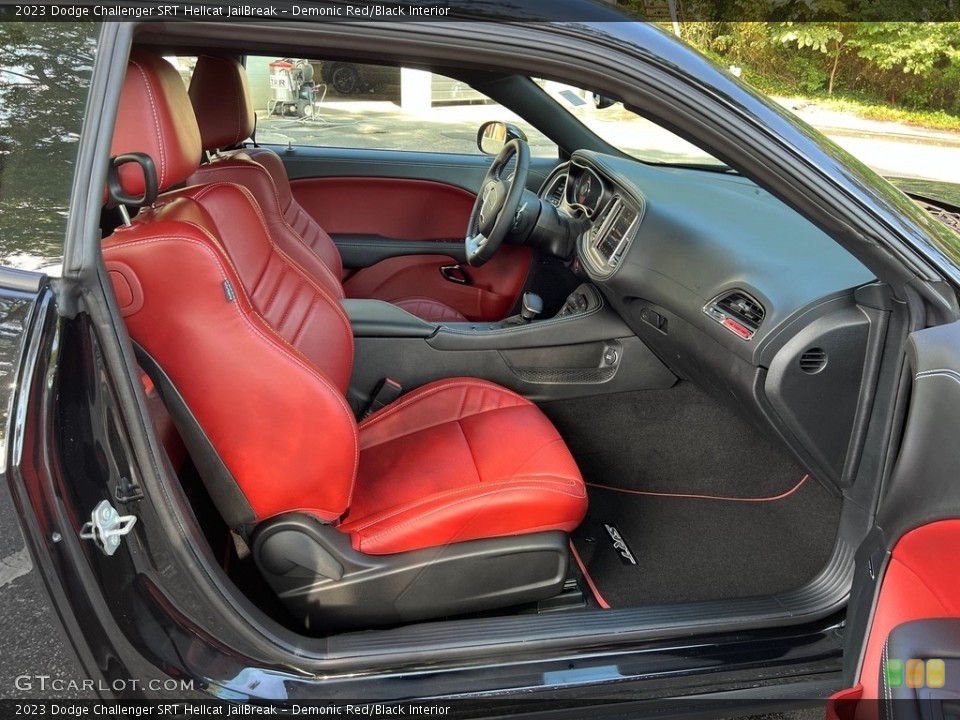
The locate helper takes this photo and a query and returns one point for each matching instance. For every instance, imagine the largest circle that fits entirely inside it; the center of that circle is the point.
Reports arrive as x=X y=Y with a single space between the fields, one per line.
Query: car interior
x=626 y=388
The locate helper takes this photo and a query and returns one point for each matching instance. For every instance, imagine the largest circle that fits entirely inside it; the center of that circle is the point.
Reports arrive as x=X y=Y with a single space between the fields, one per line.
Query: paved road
x=33 y=643
x=903 y=157
x=889 y=148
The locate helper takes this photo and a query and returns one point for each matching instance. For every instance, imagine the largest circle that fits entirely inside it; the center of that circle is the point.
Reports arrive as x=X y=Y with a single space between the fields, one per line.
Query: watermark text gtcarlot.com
x=44 y=683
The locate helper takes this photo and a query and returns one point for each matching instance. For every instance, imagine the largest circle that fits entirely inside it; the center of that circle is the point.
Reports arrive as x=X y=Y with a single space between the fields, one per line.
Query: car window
x=332 y=103
x=626 y=130
x=184 y=65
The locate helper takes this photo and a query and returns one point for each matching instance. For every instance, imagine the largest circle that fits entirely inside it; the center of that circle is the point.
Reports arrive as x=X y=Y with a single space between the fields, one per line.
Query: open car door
x=902 y=655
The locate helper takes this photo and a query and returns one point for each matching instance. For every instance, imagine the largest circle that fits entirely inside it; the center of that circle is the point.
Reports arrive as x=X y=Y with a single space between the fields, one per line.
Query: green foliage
x=809 y=35
x=910 y=47
x=914 y=65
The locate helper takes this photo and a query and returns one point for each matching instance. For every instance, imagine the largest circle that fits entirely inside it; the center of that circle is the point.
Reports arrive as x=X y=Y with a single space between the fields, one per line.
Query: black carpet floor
x=678 y=440
x=681 y=442
x=689 y=549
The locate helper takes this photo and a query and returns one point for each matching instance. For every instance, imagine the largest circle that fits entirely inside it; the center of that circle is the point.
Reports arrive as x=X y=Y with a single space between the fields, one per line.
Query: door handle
x=455 y=273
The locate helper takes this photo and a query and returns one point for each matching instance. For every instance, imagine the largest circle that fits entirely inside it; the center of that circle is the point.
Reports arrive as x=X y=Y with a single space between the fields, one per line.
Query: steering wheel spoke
x=478 y=249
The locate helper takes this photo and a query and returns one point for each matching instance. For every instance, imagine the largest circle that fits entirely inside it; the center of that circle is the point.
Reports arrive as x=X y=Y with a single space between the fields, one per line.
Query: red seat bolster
x=264 y=430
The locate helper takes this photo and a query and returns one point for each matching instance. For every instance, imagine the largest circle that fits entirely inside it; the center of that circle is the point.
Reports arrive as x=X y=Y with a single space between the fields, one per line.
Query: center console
x=585 y=349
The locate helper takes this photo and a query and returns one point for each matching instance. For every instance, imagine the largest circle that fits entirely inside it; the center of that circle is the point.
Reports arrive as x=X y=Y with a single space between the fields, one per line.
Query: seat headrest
x=221 y=100
x=155 y=118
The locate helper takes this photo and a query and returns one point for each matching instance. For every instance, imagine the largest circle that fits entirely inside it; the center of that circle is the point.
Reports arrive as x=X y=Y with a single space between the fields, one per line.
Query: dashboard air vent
x=743 y=308
x=737 y=312
x=813 y=361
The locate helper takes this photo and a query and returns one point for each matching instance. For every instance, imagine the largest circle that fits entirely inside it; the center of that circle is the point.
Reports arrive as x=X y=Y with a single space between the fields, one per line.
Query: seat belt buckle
x=386 y=392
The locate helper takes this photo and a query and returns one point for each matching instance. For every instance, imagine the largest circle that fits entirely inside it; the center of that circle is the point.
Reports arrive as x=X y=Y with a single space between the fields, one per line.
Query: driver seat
x=221 y=100
x=421 y=510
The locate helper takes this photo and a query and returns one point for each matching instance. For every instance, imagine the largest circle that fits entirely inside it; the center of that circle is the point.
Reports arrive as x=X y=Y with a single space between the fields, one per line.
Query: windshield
x=627 y=131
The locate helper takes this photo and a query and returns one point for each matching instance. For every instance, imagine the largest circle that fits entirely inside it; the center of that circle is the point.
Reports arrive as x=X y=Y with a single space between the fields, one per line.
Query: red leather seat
x=221 y=100
x=434 y=469
x=260 y=353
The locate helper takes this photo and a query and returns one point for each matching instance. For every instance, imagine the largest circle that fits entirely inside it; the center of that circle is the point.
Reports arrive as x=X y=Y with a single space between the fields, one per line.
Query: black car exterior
x=156 y=620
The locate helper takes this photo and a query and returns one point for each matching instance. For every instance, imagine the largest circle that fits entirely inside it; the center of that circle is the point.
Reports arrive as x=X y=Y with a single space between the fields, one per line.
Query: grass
x=864 y=107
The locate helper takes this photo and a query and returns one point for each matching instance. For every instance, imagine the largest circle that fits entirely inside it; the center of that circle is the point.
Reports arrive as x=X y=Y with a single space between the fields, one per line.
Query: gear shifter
x=530 y=306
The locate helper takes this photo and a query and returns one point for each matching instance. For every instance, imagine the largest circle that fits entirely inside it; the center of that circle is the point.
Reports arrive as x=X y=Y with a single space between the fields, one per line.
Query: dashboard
x=730 y=288
x=711 y=248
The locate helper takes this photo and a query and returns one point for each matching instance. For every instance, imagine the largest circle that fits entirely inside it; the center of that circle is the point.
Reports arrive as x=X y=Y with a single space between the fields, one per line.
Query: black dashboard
x=732 y=289
x=707 y=246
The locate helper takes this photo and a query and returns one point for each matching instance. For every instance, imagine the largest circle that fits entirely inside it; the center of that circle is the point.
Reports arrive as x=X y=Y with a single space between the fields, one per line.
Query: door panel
x=374 y=202
x=395 y=208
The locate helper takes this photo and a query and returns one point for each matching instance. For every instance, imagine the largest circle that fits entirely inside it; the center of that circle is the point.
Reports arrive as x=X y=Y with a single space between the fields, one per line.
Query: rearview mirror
x=493 y=135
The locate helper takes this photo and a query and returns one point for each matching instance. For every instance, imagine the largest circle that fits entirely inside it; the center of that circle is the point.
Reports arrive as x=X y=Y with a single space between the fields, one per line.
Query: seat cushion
x=456 y=460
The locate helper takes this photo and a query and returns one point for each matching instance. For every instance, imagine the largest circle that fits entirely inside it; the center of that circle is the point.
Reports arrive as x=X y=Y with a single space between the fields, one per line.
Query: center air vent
x=813 y=361
x=738 y=312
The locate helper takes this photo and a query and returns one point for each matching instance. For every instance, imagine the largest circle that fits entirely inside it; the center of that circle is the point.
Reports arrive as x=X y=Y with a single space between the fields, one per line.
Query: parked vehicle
x=365 y=79
x=628 y=423
x=349 y=78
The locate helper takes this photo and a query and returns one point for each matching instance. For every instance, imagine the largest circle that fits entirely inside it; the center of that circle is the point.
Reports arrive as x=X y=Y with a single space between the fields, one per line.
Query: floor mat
x=645 y=548
x=678 y=440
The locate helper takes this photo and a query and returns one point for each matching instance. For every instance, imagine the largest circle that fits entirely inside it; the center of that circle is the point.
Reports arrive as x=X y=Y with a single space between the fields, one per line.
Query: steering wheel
x=497 y=204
